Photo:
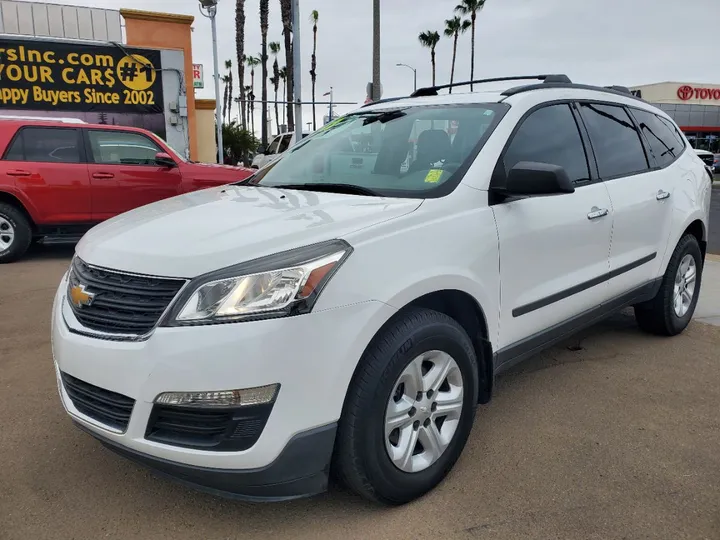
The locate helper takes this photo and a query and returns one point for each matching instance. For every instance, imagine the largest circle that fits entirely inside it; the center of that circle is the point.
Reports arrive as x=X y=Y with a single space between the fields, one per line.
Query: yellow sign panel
x=136 y=72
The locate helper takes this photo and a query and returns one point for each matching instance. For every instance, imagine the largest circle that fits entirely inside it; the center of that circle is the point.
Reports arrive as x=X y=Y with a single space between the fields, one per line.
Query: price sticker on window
x=433 y=176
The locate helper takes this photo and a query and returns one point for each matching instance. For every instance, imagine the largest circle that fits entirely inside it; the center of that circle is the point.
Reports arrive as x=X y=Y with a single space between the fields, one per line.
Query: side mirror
x=164 y=160
x=533 y=178
x=261 y=150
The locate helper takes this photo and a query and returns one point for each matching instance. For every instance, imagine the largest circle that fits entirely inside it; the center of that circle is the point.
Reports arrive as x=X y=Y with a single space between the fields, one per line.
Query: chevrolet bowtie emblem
x=79 y=297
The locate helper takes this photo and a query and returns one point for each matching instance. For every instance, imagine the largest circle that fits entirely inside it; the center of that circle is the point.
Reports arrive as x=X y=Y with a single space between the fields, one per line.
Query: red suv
x=58 y=178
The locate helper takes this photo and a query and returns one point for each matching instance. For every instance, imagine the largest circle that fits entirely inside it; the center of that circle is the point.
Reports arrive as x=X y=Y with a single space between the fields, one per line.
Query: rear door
x=553 y=249
x=123 y=172
x=48 y=166
x=639 y=188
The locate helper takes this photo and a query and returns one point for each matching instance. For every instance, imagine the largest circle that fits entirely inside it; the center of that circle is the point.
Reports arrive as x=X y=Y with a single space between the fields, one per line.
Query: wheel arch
x=698 y=230
x=467 y=312
x=462 y=307
x=13 y=200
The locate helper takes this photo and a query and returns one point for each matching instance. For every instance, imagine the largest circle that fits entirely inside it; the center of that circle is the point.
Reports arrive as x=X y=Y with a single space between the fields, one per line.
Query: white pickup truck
x=275 y=149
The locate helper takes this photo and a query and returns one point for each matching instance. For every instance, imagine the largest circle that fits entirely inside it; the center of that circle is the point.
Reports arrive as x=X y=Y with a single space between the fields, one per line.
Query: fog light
x=223 y=398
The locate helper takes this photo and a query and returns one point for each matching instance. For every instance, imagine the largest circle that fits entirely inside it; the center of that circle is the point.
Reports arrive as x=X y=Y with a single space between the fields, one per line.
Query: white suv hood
x=208 y=230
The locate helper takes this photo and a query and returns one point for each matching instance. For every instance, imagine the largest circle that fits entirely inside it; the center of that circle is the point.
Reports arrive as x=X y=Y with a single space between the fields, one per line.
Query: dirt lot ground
x=619 y=439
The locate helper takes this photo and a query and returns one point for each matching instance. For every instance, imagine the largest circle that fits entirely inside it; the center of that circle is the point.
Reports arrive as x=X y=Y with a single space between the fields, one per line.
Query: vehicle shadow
x=39 y=252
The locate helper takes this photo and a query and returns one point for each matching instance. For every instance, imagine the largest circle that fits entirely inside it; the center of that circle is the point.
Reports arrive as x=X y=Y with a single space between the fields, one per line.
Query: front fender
x=486 y=293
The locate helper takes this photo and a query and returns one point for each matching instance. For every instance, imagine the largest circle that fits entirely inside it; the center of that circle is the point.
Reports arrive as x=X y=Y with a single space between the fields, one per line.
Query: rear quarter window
x=45 y=145
x=665 y=145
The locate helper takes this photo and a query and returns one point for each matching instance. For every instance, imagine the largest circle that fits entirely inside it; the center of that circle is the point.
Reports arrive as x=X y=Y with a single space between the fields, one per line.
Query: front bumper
x=301 y=470
x=312 y=357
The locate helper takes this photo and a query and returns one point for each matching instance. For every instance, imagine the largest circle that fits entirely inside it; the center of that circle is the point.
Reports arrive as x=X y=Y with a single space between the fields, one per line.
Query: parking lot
x=613 y=434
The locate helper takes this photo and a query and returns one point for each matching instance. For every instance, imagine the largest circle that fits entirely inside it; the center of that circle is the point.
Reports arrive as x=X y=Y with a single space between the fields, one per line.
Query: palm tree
x=275 y=79
x=252 y=62
x=453 y=28
x=248 y=107
x=240 y=51
x=226 y=81
x=283 y=77
x=228 y=99
x=430 y=40
x=264 y=15
x=286 y=13
x=314 y=16
x=471 y=7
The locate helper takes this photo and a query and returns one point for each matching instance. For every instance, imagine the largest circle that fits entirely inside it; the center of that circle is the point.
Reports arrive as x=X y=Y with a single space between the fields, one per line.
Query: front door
x=123 y=172
x=553 y=249
x=641 y=198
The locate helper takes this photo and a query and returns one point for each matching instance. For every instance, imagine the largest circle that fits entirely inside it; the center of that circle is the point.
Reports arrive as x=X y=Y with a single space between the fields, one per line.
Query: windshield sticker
x=433 y=176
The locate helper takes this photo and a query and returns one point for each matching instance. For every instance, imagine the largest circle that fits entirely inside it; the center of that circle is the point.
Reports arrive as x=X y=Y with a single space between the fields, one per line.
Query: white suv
x=348 y=308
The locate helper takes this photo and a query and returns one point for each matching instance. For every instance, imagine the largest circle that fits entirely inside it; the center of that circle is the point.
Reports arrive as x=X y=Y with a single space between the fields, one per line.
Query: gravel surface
x=614 y=434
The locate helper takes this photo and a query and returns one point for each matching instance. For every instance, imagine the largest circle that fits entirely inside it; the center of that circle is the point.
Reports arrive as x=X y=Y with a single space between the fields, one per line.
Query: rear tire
x=445 y=359
x=669 y=313
x=15 y=233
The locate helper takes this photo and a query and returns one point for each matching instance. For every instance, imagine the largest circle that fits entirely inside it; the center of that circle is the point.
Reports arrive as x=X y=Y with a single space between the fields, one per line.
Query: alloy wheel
x=7 y=234
x=684 y=289
x=423 y=411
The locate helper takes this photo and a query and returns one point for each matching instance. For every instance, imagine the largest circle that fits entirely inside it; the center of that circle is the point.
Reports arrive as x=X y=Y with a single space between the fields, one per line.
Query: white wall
x=175 y=90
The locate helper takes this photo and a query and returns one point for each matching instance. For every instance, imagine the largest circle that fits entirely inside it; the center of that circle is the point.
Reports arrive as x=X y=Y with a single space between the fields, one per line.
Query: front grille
x=121 y=303
x=215 y=429
x=708 y=160
x=109 y=408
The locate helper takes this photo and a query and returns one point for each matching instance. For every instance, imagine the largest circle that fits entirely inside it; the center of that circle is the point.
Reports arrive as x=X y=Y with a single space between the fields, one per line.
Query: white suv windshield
x=406 y=152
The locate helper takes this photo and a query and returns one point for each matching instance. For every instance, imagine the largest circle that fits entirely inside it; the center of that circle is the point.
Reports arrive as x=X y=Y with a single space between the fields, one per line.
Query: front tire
x=409 y=409
x=15 y=233
x=670 y=311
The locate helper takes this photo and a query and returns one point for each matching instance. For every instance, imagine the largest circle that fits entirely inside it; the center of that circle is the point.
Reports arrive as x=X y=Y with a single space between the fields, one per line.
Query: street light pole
x=211 y=8
x=376 y=51
x=297 y=70
x=414 y=74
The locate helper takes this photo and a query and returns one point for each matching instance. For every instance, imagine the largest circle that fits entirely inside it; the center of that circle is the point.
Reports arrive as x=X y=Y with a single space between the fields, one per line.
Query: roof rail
x=41 y=119
x=432 y=90
x=623 y=89
x=385 y=100
x=616 y=90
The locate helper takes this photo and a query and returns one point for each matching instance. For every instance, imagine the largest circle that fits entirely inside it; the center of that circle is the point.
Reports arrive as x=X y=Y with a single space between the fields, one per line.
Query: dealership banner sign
x=198 y=76
x=44 y=75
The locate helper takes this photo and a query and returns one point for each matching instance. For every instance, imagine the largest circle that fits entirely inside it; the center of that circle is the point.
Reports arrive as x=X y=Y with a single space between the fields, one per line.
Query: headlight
x=283 y=284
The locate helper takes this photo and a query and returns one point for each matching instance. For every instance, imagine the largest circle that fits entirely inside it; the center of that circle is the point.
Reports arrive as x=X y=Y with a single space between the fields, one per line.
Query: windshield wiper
x=352 y=189
x=383 y=117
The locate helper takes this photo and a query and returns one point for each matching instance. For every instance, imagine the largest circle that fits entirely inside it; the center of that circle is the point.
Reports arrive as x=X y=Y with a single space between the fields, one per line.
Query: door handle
x=661 y=195
x=103 y=175
x=596 y=212
x=17 y=172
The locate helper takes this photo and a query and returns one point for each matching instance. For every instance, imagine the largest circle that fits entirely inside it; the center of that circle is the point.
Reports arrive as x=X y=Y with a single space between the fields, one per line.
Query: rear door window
x=273 y=148
x=45 y=145
x=16 y=152
x=615 y=140
x=663 y=143
x=284 y=144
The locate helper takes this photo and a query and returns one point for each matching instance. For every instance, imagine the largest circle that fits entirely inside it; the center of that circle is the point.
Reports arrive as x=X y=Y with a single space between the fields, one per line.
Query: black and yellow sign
x=43 y=75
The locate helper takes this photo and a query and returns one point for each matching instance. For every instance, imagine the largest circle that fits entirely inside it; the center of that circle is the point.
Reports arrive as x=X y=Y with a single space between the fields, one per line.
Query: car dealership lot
x=612 y=434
